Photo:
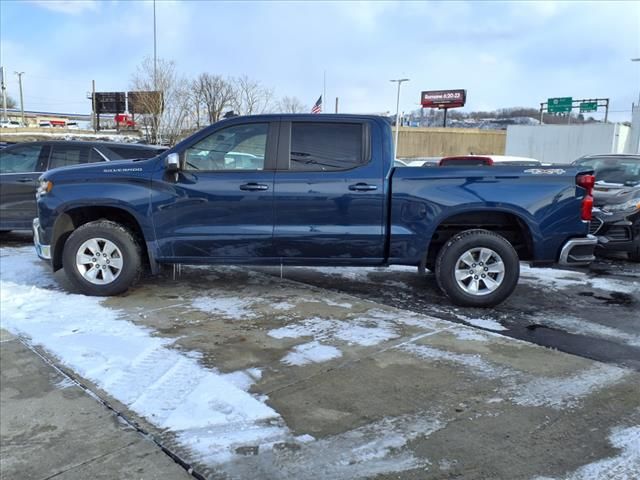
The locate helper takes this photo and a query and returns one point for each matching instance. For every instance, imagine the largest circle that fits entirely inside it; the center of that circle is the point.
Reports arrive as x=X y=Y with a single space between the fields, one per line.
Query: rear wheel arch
x=509 y=225
x=73 y=218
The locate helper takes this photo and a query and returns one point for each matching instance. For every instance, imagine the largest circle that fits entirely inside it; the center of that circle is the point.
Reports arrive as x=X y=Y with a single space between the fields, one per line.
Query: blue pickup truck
x=310 y=190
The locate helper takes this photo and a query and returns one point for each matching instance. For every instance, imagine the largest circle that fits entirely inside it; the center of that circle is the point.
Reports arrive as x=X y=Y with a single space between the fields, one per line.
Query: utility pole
x=4 y=96
x=93 y=106
x=19 y=74
x=336 y=104
x=399 y=82
x=324 y=87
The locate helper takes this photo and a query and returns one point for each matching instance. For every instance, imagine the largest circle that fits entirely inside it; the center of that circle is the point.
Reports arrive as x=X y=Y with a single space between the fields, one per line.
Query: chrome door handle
x=362 y=187
x=254 y=186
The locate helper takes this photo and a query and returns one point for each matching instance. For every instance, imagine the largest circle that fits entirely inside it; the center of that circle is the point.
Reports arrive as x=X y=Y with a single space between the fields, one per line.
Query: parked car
x=21 y=164
x=9 y=124
x=321 y=190
x=487 y=161
x=616 y=194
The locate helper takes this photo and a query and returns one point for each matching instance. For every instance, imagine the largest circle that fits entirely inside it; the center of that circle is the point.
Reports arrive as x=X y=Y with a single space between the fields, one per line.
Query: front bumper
x=578 y=251
x=43 y=251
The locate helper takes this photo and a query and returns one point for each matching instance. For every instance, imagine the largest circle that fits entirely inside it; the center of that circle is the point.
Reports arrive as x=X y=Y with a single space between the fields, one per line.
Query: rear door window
x=68 y=155
x=124 y=153
x=326 y=146
x=20 y=159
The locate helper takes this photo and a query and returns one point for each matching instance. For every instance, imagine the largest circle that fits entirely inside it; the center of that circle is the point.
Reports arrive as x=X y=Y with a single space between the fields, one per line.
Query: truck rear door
x=329 y=193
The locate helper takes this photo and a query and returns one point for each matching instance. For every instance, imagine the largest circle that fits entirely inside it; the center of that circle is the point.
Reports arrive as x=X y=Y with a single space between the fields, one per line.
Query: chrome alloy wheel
x=99 y=261
x=479 y=271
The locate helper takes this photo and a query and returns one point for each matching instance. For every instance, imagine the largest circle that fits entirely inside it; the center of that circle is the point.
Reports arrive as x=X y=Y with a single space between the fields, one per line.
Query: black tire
x=456 y=246
x=122 y=238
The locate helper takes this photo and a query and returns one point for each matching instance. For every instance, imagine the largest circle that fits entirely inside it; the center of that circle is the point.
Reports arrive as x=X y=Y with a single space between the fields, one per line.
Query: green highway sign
x=559 y=105
x=588 y=107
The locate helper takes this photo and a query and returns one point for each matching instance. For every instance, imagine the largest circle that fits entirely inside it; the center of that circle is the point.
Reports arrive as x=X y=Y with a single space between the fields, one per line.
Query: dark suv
x=21 y=165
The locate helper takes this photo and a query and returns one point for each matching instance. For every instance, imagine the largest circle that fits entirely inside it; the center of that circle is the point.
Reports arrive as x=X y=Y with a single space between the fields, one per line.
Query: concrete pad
x=51 y=427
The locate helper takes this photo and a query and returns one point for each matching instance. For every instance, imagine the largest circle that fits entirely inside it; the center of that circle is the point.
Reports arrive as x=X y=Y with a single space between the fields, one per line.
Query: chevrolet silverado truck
x=310 y=190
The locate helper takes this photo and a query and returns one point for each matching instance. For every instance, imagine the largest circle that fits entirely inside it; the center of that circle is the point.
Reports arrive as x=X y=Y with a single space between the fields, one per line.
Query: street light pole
x=399 y=82
x=4 y=96
x=19 y=74
x=637 y=60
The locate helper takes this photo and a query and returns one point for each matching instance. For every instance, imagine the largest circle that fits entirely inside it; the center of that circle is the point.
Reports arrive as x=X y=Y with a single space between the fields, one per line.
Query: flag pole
x=324 y=87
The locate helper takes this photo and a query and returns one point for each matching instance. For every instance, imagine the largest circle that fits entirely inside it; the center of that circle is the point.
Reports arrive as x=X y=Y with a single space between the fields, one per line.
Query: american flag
x=317 y=108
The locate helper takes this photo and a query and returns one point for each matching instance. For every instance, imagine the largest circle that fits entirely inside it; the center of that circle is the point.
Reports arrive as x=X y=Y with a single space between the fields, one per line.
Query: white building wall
x=565 y=143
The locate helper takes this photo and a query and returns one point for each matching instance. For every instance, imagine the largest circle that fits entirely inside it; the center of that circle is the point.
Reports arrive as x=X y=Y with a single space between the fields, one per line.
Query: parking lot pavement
x=594 y=313
x=246 y=375
x=51 y=428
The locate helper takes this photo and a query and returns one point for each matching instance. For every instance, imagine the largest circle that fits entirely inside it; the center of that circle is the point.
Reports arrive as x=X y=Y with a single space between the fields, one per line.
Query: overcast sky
x=504 y=53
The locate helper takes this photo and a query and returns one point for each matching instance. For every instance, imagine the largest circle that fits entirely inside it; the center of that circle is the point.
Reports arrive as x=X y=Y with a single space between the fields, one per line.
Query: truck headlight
x=632 y=205
x=44 y=187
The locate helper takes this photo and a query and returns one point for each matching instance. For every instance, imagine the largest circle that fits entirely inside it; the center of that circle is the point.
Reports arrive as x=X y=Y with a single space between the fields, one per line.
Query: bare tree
x=250 y=97
x=291 y=105
x=167 y=114
x=215 y=94
x=11 y=103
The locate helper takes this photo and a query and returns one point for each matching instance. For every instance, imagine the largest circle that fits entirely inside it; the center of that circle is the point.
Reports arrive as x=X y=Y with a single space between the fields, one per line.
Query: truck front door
x=220 y=204
x=329 y=193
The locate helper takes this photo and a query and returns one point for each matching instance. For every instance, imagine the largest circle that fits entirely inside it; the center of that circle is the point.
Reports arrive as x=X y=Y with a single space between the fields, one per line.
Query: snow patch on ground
x=624 y=466
x=485 y=323
x=361 y=331
x=311 y=352
x=232 y=307
x=473 y=362
x=581 y=327
x=556 y=278
x=168 y=388
x=565 y=392
x=375 y=449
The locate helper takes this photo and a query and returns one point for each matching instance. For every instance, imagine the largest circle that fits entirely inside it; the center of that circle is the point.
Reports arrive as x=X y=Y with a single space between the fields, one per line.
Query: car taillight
x=587 y=182
x=587 y=207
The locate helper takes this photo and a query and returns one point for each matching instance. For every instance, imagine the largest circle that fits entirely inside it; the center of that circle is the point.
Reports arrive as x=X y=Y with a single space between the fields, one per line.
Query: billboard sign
x=150 y=102
x=110 y=102
x=443 y=98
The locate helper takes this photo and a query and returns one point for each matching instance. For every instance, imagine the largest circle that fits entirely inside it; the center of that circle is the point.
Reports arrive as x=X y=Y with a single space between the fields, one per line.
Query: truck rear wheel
x=102 y=258
x=477 y=268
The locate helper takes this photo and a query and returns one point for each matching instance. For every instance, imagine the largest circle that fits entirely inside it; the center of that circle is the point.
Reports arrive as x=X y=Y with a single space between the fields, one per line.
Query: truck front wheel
x=102 y=258
x=477 y=268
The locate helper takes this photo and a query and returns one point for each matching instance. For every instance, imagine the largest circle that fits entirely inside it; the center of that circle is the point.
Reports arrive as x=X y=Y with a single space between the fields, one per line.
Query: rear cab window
x=326 y=146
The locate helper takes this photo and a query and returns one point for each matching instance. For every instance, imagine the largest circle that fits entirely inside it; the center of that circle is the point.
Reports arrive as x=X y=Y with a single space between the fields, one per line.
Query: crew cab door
x=220 y=203
x=20 y=167
x=329 y=193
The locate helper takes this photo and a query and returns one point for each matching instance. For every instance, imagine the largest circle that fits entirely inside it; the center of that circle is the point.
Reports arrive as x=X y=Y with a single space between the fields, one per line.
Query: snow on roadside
x=170 y=389
x=624 y=466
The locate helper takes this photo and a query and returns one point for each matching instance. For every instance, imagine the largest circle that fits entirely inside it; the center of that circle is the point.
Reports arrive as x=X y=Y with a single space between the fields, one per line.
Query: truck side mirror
x=172 y=163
